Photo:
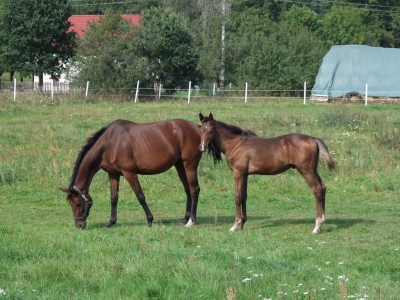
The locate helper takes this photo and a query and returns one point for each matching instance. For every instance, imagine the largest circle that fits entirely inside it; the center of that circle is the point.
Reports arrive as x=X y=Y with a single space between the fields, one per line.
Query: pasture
x=356 y=255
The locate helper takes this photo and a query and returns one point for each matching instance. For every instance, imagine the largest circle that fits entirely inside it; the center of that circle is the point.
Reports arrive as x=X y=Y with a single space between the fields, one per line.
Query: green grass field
x=356 y=256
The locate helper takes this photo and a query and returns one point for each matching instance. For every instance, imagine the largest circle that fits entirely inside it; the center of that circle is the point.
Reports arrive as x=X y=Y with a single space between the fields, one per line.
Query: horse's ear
x=211 y=117
x=201 y=116
x=64 y=190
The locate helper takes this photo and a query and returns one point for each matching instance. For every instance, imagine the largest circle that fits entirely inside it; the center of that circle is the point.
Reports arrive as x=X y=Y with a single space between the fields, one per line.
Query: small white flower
x=2 y=292
x=340 y=263
x=341 y=277
x=250 y=257
x=305 y=293
x=323 y=289
x=246 y=279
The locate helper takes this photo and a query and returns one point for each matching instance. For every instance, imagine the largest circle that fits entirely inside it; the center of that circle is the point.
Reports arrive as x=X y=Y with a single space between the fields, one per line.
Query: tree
x=34 y=37
x=301 y=16
x=343 y=26
x=99 y=7
x=108 y=56
x=168 y=46
x=282 y=60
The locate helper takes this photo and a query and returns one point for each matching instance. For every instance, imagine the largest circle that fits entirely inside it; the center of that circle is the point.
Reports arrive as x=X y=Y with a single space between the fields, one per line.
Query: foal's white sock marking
x=318 y=224
x=233 y=228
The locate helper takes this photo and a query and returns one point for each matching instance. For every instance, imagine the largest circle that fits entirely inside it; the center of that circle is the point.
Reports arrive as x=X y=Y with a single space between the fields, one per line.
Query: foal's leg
x=319 y=189
x=240 y=200
x=114 y=186
x=133 y=180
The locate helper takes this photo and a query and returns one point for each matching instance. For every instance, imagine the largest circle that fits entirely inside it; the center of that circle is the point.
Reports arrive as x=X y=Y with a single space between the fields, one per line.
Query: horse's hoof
x=149 y=224
x=108 y=225
x=189 y=223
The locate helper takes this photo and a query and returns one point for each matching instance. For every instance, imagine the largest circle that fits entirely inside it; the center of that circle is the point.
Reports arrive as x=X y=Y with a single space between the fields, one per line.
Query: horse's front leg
x=114 y=186
x=133 y=180
x=182 y=176
x=194 y=187
x=240 y=179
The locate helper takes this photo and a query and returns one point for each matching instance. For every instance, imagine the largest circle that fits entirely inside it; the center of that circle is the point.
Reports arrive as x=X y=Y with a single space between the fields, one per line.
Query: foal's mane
x=85 y=149
x=232 y=128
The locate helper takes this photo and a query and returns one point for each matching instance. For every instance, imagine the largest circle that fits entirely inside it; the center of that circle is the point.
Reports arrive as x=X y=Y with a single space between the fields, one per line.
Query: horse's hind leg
x=188 y=177
x=240 y=200
x=318 y=188
x=133 y=180
x=114 y=186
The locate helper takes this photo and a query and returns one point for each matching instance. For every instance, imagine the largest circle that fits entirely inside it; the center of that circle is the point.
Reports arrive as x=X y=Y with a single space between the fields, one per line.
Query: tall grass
x=43 y=255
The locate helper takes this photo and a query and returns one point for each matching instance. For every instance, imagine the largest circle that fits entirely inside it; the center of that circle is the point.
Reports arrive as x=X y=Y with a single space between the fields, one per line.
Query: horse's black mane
x=85 y=149
x=232 y=128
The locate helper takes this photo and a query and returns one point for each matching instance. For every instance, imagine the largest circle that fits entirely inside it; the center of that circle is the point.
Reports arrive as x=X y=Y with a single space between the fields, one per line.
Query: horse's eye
x=77 y=204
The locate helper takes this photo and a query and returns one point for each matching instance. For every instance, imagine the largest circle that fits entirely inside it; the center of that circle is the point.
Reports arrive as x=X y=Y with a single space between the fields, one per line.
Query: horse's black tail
x=325 y=153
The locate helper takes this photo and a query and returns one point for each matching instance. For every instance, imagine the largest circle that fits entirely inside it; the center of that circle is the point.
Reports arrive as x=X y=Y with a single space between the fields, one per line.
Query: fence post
x=87 y=89
x=15 y=88
x=137 y=91
x=190 y=85
x=214 y=89
x=159 y=91
x=366 y=94
x=305 y=91
x=52 y=90
x=245 y=94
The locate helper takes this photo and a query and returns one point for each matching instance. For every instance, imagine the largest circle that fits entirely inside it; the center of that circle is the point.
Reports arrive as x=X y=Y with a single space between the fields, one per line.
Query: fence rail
x=138 y=93
x=33 y=87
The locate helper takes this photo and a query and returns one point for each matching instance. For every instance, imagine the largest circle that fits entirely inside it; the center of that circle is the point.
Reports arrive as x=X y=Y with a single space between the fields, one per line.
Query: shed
x=346 y=70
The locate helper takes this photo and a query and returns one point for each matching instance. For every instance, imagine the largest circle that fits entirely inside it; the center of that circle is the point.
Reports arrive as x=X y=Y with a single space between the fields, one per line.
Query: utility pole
x=222 y=79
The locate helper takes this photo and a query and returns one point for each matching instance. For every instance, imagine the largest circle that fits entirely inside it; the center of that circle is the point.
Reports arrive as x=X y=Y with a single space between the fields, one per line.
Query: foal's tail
x=325 y=153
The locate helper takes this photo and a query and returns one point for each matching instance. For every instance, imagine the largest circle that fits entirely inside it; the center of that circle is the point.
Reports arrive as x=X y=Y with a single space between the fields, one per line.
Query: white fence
x=138 y=93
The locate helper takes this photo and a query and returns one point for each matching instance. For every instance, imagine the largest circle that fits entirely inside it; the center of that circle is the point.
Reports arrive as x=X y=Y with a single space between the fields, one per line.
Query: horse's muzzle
x=80 y=224
x=203 y=147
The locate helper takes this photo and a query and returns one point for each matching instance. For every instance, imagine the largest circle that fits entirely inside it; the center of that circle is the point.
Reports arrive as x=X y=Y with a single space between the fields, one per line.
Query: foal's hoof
x=149 y=224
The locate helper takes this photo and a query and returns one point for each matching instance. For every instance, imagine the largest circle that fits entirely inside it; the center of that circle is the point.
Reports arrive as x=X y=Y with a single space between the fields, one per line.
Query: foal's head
x=207 y=131
x=80 y=204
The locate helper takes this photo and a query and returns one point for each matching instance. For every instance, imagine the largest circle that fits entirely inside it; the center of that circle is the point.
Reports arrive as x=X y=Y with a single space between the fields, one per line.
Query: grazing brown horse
x=246 y=153
x=124 y=148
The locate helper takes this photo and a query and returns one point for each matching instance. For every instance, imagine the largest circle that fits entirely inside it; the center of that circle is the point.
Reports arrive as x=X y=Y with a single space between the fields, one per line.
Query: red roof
x=79 y=23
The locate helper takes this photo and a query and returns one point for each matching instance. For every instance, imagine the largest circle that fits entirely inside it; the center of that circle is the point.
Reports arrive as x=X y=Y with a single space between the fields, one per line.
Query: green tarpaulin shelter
x=348 y=69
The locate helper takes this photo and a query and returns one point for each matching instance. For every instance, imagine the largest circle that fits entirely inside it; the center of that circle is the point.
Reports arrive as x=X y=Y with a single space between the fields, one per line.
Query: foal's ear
x=211 y=117
x=64 y=190
x=201 y=116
